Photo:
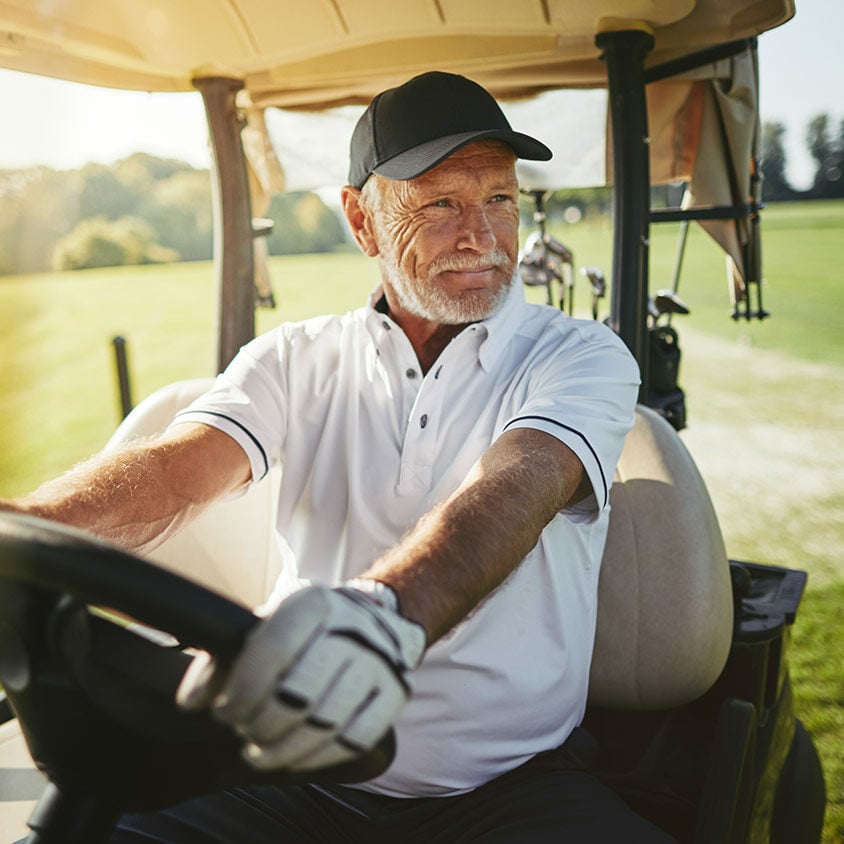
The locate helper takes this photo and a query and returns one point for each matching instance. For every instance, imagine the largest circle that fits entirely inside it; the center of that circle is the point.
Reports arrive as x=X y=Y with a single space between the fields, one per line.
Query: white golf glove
x=318 y=682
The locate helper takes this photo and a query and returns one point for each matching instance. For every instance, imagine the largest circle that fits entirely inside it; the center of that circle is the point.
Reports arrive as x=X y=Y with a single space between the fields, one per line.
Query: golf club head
x=559 y=249
x=668 y=302
x=596 y=279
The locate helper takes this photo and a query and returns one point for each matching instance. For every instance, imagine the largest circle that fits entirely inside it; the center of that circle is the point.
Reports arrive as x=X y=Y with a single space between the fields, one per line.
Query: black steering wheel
x=96 y=701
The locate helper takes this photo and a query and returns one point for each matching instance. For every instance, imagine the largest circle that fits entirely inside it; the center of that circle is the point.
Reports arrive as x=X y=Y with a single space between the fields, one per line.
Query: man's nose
x=476 y=231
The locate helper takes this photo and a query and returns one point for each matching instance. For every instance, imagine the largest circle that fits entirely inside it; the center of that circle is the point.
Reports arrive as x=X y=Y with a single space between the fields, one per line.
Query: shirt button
x=423 y=421
x=410 y=373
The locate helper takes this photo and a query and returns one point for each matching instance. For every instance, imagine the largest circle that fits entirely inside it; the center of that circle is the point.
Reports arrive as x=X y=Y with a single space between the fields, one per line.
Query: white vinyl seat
x=665 y=607
x=231 y=546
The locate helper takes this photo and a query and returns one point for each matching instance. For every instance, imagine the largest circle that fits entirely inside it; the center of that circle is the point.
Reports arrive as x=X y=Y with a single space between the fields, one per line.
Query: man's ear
x=360 y=222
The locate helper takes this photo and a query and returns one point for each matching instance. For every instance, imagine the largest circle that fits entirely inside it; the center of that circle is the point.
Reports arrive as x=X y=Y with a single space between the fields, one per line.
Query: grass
x=58 y=398
x=58 y=382
x=819 y=686
x=801 y=278
x=765 y=400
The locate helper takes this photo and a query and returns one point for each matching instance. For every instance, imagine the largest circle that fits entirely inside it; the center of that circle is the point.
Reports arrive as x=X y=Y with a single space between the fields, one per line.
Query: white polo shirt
x=368 y=445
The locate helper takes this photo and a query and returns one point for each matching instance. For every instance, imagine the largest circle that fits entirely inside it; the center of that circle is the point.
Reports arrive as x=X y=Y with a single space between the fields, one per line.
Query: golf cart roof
x=331 y=52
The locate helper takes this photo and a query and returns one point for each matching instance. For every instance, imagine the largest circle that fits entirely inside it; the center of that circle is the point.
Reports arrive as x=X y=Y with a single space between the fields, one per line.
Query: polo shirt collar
x=376 y=300
x=498 y=330
x=501 y=327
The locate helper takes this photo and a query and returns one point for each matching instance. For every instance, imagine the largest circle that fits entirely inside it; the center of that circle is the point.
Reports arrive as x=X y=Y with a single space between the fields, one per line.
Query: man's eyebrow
x=505 y=187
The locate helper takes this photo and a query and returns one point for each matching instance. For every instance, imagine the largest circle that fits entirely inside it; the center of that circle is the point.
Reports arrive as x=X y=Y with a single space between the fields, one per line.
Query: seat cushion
x=665 y=611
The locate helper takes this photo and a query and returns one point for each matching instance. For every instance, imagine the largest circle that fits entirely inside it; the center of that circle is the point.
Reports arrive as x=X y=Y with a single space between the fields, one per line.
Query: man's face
x=448 y=240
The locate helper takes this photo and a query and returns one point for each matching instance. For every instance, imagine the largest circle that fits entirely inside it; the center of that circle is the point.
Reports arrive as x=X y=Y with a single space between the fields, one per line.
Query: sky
x=61 y=124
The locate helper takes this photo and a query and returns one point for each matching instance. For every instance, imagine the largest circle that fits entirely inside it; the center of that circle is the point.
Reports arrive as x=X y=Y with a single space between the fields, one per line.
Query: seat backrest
x=665 y=609
x=231 y=546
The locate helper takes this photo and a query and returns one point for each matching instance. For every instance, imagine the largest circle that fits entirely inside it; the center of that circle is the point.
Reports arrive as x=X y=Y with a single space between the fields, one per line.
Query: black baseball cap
x=410 y=129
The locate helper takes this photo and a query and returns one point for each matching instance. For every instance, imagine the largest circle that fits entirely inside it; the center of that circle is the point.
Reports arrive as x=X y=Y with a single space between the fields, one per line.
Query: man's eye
x=502 y=197
x=441 y=203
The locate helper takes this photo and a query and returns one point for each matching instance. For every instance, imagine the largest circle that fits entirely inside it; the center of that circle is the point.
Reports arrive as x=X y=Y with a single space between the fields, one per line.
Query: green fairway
x=765 y=400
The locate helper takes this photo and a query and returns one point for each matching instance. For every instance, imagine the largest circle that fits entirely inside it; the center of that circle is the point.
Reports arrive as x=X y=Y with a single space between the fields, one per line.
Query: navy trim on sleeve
x=239 y=425
x=573 y=431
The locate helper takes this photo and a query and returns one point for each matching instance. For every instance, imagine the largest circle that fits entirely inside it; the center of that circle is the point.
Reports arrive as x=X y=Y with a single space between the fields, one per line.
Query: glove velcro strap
x=375 y=590
x=399 y=669
x=382 y=604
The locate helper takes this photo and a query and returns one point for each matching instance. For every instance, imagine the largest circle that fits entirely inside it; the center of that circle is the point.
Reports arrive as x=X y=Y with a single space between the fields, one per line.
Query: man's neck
x=427 y=338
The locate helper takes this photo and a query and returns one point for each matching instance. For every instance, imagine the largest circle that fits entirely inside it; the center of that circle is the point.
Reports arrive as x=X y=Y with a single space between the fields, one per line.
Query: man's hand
x=318 y=682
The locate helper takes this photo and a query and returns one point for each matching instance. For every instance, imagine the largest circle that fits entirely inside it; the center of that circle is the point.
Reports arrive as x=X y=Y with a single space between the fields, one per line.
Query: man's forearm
x=117 y=496
x=466 y=547
x=139 y=495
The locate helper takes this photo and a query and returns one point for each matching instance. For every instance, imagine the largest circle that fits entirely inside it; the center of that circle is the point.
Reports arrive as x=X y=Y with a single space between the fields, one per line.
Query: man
x=447 y=455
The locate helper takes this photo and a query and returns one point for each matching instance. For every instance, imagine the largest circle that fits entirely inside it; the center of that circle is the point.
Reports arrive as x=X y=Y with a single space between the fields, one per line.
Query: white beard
x=424 y=298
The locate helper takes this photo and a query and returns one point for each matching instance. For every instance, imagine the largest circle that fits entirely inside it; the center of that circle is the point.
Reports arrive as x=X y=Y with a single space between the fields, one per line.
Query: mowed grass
x=765 y=400
x=59 y=399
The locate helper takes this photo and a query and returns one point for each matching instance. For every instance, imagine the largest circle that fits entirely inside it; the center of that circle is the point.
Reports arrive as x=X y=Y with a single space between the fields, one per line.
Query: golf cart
x=690 y=694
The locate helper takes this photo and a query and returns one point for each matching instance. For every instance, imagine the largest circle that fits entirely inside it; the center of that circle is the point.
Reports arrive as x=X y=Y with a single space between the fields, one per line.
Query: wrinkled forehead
x=478 y=154
x=486 y=164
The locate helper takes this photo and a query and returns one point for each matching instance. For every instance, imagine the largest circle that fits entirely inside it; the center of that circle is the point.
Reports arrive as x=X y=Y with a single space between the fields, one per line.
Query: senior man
x=447 y=453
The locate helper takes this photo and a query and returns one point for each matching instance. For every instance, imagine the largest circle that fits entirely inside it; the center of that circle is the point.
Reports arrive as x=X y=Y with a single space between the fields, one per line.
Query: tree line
x=140 y=210
x=145 y=209
x=825 y=144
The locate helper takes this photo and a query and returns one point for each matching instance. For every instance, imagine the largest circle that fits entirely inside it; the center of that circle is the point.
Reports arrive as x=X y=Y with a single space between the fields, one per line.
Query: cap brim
x=419 y=159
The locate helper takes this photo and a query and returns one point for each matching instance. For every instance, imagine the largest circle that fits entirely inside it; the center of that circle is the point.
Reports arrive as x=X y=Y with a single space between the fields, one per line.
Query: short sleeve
x=248 y=402
x=585 y=395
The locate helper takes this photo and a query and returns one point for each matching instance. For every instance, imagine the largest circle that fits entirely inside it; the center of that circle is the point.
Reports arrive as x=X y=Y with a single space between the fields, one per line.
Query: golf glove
x=318 y=682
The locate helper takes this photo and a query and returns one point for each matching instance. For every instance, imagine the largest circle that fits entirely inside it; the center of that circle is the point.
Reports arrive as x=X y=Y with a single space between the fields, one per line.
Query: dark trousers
x=551 y=798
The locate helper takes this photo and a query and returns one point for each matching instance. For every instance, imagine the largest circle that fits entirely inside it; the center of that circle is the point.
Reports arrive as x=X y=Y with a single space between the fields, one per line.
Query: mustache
x=496 y=259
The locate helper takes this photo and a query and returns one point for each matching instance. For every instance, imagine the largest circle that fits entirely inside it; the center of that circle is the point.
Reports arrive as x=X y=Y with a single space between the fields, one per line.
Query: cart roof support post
x=624 y=53
x=234 y=266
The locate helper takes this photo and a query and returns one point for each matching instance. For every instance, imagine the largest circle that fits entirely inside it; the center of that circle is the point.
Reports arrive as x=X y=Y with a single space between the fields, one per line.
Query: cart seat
x=665 y=606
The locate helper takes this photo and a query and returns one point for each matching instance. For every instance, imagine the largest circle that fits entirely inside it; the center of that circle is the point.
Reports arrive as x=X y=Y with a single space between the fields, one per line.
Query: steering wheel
x=96 y=701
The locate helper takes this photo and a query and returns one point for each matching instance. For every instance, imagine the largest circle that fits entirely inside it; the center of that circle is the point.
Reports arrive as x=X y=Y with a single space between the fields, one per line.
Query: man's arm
x=324 y=676
x=139 y=495
x=467 y=546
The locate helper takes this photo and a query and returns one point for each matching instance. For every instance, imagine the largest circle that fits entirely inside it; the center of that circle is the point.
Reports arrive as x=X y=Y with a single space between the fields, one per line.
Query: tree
x=303 y=223
x=42 y=212
x=37 y=210
x=143 y=170
x=178 y=207
x=321 y=226
x=775 y=184
x=828 y=153
x=101 y=193
x=98 y=242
